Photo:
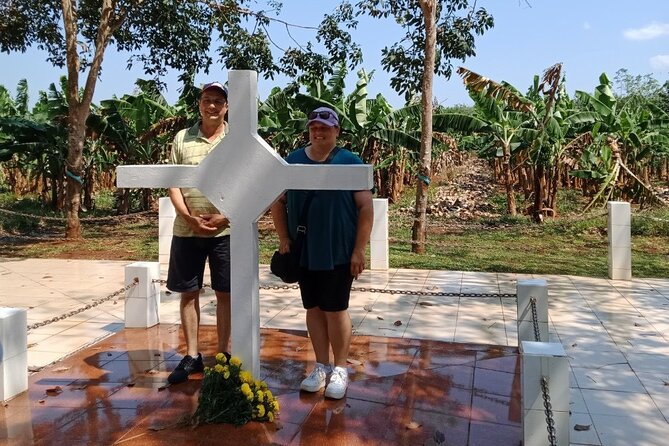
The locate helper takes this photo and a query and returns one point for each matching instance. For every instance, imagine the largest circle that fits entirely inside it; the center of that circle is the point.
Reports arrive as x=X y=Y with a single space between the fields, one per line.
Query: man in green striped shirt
x=201 y=233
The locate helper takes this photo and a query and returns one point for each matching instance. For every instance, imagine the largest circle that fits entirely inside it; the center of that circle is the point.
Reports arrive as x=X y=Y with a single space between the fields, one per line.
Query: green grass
x=572 y=244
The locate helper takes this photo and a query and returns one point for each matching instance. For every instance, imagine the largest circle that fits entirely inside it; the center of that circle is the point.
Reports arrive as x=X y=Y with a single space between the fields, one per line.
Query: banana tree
x=543 y=132
x=138 y=127
x=382 y=136
x=32 y=143
x=499 y=123
x=624 y=139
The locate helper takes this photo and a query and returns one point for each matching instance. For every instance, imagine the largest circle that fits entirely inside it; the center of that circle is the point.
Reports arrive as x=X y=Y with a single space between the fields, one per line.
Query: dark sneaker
x=187 y=366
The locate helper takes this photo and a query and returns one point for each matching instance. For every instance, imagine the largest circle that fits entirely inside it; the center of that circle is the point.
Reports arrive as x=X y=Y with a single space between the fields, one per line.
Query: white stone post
x=166 y=216
x=378 y=242
x=620 y=240
x=13 y=352
x=142 y=301
x=526 y=290
x=544 y=360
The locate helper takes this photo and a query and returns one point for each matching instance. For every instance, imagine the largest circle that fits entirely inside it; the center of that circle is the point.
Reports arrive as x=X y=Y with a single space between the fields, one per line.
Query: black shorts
x=327 y=290
x=188 y=256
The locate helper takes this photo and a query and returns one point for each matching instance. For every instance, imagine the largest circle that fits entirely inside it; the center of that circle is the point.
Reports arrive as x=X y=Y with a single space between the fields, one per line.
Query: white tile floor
x=616 y=333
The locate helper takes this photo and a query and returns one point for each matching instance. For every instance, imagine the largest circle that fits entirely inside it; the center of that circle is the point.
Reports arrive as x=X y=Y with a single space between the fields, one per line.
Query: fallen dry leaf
x=41 y=401
x=60 y=369
x=426 y=304
x=582 y=427
x=338 y=410
x=368 y=308
x=413 y=425
x=397 y=323
x=379 y=318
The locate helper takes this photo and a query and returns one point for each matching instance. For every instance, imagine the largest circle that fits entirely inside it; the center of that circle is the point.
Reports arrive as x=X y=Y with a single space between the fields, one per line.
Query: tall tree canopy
x=160 y=35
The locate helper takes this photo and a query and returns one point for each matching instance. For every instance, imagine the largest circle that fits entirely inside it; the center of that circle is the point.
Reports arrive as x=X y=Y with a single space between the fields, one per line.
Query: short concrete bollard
x=620 y=240
x=142 y=301
x=378 y=241
x=13 y=352
x=544 y=360
x=526 y=290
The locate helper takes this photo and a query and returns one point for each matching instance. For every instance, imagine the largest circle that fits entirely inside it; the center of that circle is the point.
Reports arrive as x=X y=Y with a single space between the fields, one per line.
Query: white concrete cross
x=242 y=176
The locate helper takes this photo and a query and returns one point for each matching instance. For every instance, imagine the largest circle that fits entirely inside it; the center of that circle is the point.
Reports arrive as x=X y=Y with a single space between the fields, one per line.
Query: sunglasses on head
x=322 y=115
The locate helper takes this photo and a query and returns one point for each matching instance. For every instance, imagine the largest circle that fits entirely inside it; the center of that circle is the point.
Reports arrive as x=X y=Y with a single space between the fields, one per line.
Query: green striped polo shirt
x=191 y=147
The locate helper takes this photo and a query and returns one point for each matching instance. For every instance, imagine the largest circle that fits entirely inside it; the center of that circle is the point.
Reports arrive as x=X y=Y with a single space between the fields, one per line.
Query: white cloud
x=648 y=32
x=586 y=26
x=660 y=62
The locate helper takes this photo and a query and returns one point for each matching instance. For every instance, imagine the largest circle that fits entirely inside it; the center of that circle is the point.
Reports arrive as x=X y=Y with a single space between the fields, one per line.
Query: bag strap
x=302 y=223
x=300 y=237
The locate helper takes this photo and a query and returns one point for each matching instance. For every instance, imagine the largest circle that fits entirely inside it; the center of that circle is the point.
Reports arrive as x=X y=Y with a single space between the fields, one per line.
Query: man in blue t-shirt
x=338 y=224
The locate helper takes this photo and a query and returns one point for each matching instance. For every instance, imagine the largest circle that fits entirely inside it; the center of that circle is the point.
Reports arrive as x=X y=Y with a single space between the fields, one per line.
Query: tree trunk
x=525 y=182
x=537 y=213
x=79 y=105
x=429 y=8
x=89 y=187
x=508 y=180
x=74 y=170
x=555 y=184
x=55 y=181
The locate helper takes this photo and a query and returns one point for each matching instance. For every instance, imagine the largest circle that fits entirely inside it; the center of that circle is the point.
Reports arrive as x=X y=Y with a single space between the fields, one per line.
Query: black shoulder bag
x=287 y=266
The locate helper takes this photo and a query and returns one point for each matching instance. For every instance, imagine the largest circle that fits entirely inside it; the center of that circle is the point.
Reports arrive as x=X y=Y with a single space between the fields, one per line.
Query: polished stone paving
x=424 y=369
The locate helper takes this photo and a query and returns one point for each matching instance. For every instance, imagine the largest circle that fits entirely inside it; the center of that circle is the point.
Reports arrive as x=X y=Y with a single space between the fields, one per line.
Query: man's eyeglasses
x=322 y=115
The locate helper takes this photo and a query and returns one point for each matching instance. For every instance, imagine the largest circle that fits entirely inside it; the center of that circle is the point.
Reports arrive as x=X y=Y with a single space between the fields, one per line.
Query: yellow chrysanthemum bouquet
x=231 y=395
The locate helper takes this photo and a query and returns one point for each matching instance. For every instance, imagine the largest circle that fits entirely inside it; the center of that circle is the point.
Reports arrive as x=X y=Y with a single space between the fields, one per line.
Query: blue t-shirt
x=332 y=220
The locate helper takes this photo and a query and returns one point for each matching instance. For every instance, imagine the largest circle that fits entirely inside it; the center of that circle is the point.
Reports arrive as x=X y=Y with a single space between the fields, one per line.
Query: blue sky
x=588 y=36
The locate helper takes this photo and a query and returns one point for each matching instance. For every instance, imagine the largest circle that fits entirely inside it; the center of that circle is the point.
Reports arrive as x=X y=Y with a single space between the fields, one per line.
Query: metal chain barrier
x=432 y=293
x=548 y=411
x=83 y=219
x=55 y=237
x=535 y=319
x=273 y=287
x=548 y=408
x=85 y=307
x=646 y=217
x=480 y=226
x=382 y=290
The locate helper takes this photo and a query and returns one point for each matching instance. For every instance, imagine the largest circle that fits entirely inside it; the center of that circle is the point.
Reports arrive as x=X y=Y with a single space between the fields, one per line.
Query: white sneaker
x=338 y=383
x=316 y=380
